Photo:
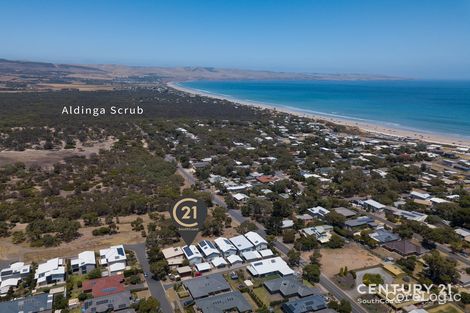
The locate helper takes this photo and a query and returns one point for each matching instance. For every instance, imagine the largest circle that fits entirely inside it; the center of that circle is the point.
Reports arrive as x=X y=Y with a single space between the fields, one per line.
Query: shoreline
x=365 y=127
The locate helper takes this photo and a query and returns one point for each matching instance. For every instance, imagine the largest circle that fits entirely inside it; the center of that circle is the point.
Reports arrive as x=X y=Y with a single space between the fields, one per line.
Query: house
x=303 y=305
x=225 y=246
x=289 y=286
x=174 y=256
x=266 y=253
x=359 y=222
x=41 y=303
x=219 y=262
x=404 y=247
x=205 y=286
x=270 y=266
x=104 y=286
x=184 y=271
x=84 y=263
x=382 y=235
x=234 y=259
x=373 y=205
x=250 y=256
x=265 y=179
x=192 y=254
x=242 y=243
x=321 y=233
x=15 y=270
x=409 y=215
x=287 y=223
x=208 y=250
x=240 y=197
x=114 y=258
x=347 y=213
x=114 y=302
x=8 y=283
x=256 y=240
x=419 y=195
x=318 y=211
x=203 y=267
x=228 y=302
x=463 y=233
x=50 y=272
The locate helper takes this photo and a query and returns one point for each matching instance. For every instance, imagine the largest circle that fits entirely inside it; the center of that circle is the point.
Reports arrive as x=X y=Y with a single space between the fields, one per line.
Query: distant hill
x=30 y=75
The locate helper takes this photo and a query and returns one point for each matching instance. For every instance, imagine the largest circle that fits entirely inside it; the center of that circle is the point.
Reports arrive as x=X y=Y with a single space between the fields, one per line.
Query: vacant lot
x=351 y=255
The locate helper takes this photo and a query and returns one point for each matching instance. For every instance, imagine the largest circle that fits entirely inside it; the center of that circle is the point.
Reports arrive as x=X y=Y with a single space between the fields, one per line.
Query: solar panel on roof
x=188 y=251
x=203 y=243
x=210 y=245
x=120 y=251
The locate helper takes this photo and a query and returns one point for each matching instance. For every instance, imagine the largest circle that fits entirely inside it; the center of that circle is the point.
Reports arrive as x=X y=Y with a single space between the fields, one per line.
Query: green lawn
x=263 y=295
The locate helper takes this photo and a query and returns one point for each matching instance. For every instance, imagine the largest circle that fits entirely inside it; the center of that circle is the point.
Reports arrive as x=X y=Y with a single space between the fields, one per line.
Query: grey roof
x=303 y=305
x=383 y=236
x=404 y=247
x=362 y=220
x=37 y=303
x=345 y=212
x=206 y=285
x=117 y=301
x=224 y=302
x=289 y=286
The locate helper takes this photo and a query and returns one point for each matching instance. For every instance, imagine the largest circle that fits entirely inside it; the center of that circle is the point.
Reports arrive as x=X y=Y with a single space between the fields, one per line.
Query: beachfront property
x=114 y=259
x=50 y=272
x=258 y=242
x=242 y=243
x=192 y=254
x=83 y=263
x=225 y=246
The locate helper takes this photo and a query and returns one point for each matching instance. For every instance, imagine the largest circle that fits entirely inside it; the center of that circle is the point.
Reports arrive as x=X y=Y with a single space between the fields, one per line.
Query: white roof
x=85 y=257
x=113 y=254
x=234 y=259
x=268 y=266
x=463 y=232
x=201 y=267
x=318 y=210
x=420 y=194
x=191 y=252
x=117 y=267
x=208 y=248
x=374 y=204
x=18 y=267
x=251 y=255
x=287 y=223
x=240 y=196
x=52 y=266
x=255 y=238
x=241 y=242
x=10 y=282
x=266 y=252
x=224 y=244
x=172 y=252
x=218 y=261
x=438 y=200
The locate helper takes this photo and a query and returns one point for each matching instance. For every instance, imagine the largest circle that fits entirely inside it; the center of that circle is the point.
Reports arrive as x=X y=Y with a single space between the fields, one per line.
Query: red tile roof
x=265 y=179
x=104 y=286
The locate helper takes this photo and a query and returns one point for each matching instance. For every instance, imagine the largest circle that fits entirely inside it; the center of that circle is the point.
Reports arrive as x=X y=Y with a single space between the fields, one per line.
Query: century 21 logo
x=185 y=212
x=189 y=212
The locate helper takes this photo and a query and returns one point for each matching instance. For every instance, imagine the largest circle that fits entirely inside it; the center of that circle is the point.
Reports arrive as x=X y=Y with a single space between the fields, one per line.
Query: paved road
x=155 y=286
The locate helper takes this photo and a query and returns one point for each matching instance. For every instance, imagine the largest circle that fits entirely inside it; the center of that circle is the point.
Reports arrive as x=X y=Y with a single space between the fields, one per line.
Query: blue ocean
x=430 y=106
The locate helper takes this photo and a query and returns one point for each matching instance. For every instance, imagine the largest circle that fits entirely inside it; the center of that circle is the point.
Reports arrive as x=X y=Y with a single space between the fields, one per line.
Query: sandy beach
x=363 y=126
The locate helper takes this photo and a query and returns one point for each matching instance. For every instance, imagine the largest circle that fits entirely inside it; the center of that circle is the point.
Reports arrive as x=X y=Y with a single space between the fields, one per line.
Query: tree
x=159 y=269
x=288 y=236
x=372 y=279
x=149 y=305
x=95 y=273
x=441 y=270
x=335 y=219
x=335 y=242
x=294 y=257
x=311 y=273
x=60 y=302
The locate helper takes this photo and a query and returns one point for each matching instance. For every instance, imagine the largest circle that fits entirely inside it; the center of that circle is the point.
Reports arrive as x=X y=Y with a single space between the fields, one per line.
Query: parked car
x=233 y=276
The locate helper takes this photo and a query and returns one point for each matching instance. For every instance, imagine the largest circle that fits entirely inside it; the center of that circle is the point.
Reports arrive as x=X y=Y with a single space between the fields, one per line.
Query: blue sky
x=412 y=38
